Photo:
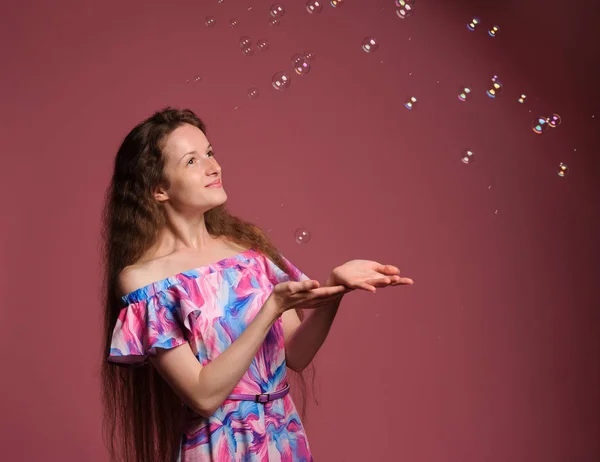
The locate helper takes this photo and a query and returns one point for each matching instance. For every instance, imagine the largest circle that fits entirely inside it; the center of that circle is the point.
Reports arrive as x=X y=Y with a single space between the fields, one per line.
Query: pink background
x=493 y=354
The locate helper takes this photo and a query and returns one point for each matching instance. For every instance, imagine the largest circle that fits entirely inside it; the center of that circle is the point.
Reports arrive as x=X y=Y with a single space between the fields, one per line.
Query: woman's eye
x=193 y=158
x=211 y=153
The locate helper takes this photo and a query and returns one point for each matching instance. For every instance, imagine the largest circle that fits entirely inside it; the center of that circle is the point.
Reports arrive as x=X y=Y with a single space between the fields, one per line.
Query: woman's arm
x=305 y=338
x=204 y=389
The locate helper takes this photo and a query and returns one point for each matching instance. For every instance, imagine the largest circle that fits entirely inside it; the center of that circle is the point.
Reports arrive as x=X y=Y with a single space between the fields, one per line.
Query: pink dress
x=210 y=307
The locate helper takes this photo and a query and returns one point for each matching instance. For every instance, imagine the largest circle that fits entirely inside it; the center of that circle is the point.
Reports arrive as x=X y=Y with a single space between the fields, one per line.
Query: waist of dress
x=261 y=398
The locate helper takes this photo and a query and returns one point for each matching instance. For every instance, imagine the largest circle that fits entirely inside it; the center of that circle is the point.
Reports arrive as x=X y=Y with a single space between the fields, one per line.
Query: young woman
x=201 y=311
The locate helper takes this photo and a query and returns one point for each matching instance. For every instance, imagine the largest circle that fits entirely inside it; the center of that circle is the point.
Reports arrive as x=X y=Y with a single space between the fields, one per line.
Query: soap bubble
x=280 y=81
x=308 y=55
x=262 y=44
x=335 y=3
x=495 y=88
x=493 y=31
x=467 y=157
x=209 y=21
x=472 y=25
x=369 y=44
x=233 y=22
x=302 y=236
x=563 y=170
x=405 y=12
x=522 y=99
x=301 y=65
x=464 y=93
x=253 y=93
x=410 y=103
x=248 y=50
x=314 y=6
x=554 y=121
x=245 y=41
x=540 y=125
x=277 y=10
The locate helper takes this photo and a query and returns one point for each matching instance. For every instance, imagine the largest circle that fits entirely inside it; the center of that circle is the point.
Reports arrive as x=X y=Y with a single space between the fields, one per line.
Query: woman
x=206 y=308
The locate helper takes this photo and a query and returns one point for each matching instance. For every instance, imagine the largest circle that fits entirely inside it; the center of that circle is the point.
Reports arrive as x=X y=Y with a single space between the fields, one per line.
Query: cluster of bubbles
x=541 y=124
x=474 y=23
x=316 y=6
x=301 y=62
x=277 y=11
x=404 y=9
x=247 y=47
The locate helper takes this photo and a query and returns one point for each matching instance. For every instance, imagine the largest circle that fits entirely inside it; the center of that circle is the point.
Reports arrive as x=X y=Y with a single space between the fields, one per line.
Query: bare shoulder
x=131 y=278
x=150 y=270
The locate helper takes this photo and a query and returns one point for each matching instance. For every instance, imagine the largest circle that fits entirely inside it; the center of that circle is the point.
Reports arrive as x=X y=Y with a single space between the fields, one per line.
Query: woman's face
x=190 y=167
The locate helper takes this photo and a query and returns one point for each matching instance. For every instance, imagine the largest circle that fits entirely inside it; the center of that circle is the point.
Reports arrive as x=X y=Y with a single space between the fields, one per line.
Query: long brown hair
x=142 y=414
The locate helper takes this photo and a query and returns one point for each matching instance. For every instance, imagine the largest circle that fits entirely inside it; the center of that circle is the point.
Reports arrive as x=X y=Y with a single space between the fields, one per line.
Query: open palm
x=367 y=275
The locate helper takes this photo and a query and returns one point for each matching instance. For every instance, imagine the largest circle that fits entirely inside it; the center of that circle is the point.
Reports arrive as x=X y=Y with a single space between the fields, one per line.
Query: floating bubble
x=245 y=41
x=274 y=22
x=301 y=66
x=233 y=22
x=563 y=170
x=219 y=1
x=405 y=12
x=280 y=81
x=468 y=157
x=493 y=31
x=495 y=88
x=522 y=99
x=253 y=93
x=296 y=58
x=262 y=44
x=403 y=3
x=277 y=10
x=554 y=121
x=540 y=125
x=369 y=44
x=336 y=3
x=302 y=236
x=464 y=93
x=248 y=50
x=314 y=6
x=472 y=25
x=209 y=21
x=410 y=103
x=308 y=55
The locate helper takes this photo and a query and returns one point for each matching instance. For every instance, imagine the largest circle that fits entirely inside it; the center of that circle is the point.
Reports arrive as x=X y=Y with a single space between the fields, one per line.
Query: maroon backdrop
x=493 y=354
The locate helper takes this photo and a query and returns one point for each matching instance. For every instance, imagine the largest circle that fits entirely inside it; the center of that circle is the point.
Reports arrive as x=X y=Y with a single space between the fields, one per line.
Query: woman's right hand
x=305 y=294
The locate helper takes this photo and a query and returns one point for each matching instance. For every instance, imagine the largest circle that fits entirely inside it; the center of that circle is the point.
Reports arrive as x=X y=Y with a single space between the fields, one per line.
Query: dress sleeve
x=144 y=326
x=277 y=275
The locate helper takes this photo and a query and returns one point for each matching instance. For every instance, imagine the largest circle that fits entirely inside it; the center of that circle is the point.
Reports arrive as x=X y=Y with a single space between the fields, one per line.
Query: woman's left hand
x=367 y=275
